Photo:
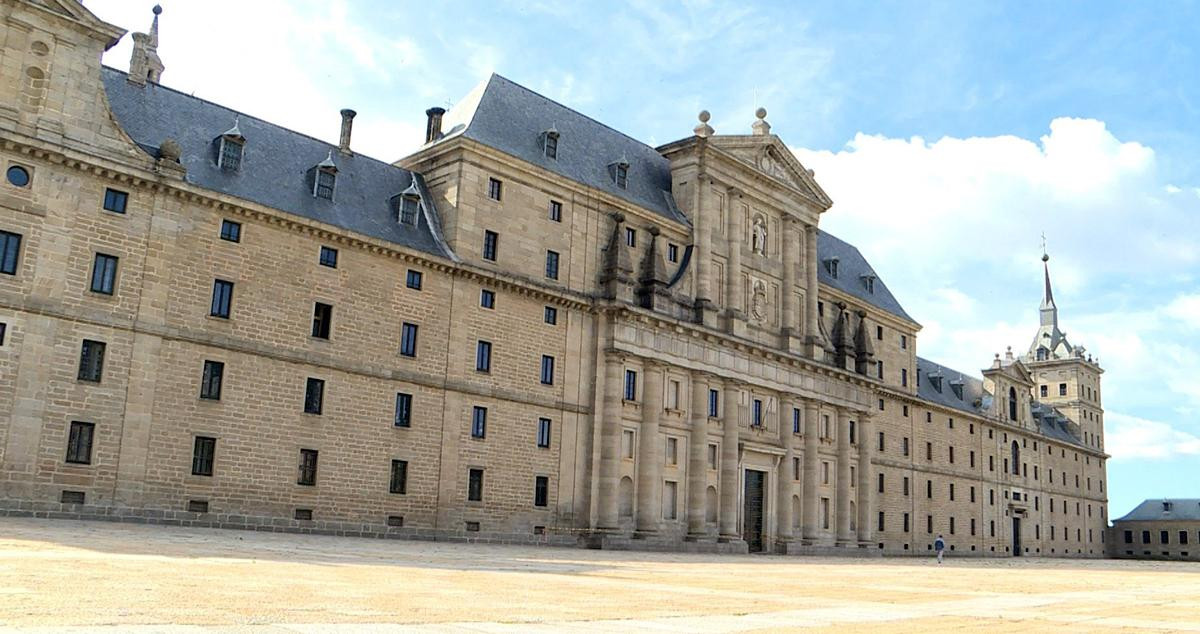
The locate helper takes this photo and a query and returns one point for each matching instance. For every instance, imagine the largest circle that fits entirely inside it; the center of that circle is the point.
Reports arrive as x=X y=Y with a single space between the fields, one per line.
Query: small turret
x=145 y=64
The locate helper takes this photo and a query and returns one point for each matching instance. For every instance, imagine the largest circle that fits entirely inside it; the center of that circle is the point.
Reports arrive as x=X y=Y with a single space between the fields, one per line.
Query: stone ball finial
x=704 y=116
x=653 y=230
x=1045 y=257
x=761 y=113
x=157 y=10
x=169 y=150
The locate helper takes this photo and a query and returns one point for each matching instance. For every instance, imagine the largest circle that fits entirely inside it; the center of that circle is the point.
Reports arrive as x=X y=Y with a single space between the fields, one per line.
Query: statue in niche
x=758 y=301
x=758 y=236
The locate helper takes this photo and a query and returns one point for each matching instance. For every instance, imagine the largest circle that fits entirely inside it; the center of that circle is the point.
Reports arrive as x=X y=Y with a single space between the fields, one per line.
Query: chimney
x=433 y=128
x=347 y=125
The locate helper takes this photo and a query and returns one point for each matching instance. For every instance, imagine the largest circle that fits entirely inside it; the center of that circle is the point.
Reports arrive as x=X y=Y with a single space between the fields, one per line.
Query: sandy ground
x=84 y=576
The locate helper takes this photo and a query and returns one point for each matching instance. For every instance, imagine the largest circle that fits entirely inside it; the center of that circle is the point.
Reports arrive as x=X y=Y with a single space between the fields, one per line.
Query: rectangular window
x=929 y=451
x=550 y=315
x=881 y=520
x=630 y=237
x=475 y=485
x=905 y=485
x=903 y=342
x=672 y=452
x=1044 y=390
x=329 y=257
x=552 y=265
x=1145 y=537
x=712 y=458
x=906 y=522
x=543 y=433
x=880 y=487
x=79 y=442
x=202 y=455
x=91 y=361
x=1062 y=389
x=104 y=274
x=824 y=473
x=408 y=340
x=495 y=189
x=324 y=185
x=929 y=524
x=673 y=391
x=3 y=331
x=541 y=490
x=825 y=513
x=487 y=299
x=929 y=489
x=483 y=356
x=115 y=200
x=879 y=368
x=951 y=455
x=222 y=299
x=630 y=385
x=951 y=491
x=904 y=377
x=714 y=402
x=210 y=381
x=399 y=480
x=881 y=442
x=796 y=420
x=403 y=410
x=231 y=231
x=547 y=370
x=308 y=468
x=479 y=422
x=322 y=320
x=757 y=413
x=556 y=211
x=491 y=241
x=1128 y=536
x=10 y=252
x=670 y=499
x=879 y=333
x=314 y=394
x=1183 y=537
x=413 y=280
x=1164 y=537
x=904 y=447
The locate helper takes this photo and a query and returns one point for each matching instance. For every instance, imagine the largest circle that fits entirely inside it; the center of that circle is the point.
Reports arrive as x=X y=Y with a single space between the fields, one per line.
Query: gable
x=74 y=11
x=769 y=156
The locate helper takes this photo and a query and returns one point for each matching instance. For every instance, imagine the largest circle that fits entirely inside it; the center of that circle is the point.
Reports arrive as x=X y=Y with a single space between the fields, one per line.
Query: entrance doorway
x=753 y=516
x=1016 y=545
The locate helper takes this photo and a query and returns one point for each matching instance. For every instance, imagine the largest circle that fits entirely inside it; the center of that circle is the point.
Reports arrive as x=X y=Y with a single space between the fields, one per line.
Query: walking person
x=940 y=546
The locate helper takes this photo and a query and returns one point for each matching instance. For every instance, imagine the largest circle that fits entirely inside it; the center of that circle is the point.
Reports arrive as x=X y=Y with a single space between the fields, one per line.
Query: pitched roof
x=852 y=269
x=508 y=117
x=1181 y=509
x=275 y=164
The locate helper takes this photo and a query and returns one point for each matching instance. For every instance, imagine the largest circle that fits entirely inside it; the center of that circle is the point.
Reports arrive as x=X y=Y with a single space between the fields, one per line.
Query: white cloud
x=1130 y=437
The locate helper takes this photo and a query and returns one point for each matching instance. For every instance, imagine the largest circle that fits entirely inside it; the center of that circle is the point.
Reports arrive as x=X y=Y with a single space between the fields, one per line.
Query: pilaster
x=649 y=481
x=866 y=489
x=697 y=470
x=844 y=536
x=610 y=444
x=808 y=499
x=729 y=464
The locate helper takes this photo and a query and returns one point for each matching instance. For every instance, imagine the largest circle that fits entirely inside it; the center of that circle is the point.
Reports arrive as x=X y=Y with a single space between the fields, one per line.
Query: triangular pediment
x=1014 y=371
x=768 y=155
x=74 y=11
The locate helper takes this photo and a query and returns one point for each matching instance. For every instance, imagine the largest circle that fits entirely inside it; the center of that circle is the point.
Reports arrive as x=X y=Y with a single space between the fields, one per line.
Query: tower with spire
x=145 y=64
x=1065 y=376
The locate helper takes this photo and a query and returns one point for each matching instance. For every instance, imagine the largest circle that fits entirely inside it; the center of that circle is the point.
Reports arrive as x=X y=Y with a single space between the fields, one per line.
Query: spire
x=144 y=64
x=157 y=10
x=1048 y=309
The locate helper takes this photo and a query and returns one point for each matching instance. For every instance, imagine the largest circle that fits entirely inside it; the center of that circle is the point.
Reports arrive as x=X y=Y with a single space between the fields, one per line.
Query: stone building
x=533 y=328
x=1158 y=529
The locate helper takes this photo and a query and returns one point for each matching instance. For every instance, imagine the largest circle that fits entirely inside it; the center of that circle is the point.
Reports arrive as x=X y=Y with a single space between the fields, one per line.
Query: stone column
x=734 y=296
x=810 y=522
x=813 y=341
x=610 y=445
x=650 y=458
x=844 y=536
x=729 y=464
x=866 y=487
x=790 y=246
x=697 y=450
x=787 y=484
x=702 y=237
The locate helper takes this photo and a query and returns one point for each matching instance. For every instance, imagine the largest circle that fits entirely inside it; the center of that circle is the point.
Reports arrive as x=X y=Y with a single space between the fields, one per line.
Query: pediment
x=75 y=11
x=1015 y=372
x=770 y=157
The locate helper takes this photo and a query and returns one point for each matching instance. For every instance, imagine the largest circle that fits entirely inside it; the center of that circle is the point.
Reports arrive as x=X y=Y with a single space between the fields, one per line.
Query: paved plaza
x=60 y=575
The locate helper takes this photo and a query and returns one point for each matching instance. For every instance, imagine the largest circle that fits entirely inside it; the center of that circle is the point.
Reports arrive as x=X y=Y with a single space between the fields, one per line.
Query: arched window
x=1012 y=404
x=1016 y=458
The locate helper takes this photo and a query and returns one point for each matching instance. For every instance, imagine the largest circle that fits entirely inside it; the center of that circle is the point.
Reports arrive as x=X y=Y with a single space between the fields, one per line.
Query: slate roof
x=275 y=164
x=511 y=118
x=1182 y=509
x=852 y=266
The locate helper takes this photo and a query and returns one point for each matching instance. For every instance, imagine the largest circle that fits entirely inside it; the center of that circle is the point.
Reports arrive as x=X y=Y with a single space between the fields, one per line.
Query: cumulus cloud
x=1130 y=437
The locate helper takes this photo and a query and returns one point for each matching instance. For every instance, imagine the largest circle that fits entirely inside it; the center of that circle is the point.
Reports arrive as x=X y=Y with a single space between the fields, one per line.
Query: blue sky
x=950 y=135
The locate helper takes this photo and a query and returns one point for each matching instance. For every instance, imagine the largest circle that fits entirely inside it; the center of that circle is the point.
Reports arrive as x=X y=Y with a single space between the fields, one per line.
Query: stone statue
x=758 y=236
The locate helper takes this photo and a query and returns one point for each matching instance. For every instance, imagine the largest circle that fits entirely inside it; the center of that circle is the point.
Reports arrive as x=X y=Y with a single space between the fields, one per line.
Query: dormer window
x=550 y=143
x=831 y=265
x=409 y=205
x=325 y=179
x=229 y=148
x=957 y=386
x=869 y=283
x=936 y=379
x=1166 y=507
x=620 y=173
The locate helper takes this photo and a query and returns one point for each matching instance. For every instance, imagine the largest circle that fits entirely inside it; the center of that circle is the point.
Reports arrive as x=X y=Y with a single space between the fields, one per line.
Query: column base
x=706 y=313
x=847 y=542
x=814 y=348
x=645 y=534
x=735 y=323
x=792 y=342
x=700 y=537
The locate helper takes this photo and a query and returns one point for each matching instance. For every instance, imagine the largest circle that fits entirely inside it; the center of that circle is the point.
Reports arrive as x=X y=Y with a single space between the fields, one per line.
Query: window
x=479 y=422
x=104 y=274
x=630 y=237
x=322 y=320
x=495 y=188
x=231 y=231
x=881 y=442
x=1062 y=389
x=904 y=377
x=906 y=522
x=880 y=487
x=672 y=253
x=853 y=438
x=929 y=489
x=210 y=381
x=1164 y=537
x=230 y=156
x=673 y=391
x=1128 y=537
x=3 y=331
x=413 y=280
x=757 y=413
x=714 y=402
x=483 y=356
x=1012 y=403
x=1183 y=537
x=202 y=455
x=399 y=481
x=487 y=299
x=490 y=244
x=550 y=315
x=308 y=468
x=796 y=469
x=796 y=420
x=408 y=339
x=929 y=524
x=17 y=176
x=543 y=433
x=409 y=206
x=906 y=485
x=824 y=473
x=929 y=451
x=547 y=370
x=222 y=299
x=951 y=454
x=10 y=251
x=904 y=342
x=879 y=368
x=541 y=490
x=824 y=426
x=326 y=179
x=115 y=200
x=403 y=410
x=552 y=265
x=951 y=491
x=1016 y=459
x=904 y=446
x=671 y=455
x=556 y=211
x=712 y=457
x=79 y=443
x=475 y=485
x=314 y=394
x=329 y=257
x=630 y=385
x=1145 y=537
x=621 y=175
x=879 y=333
x=1044 y=391
x=91 y=360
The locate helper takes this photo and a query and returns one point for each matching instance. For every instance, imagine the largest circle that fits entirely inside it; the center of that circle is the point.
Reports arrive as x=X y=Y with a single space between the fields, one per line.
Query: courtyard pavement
x=68 y=576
